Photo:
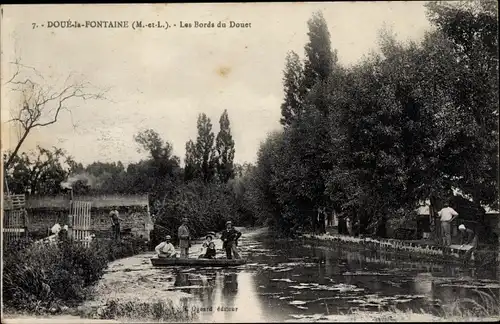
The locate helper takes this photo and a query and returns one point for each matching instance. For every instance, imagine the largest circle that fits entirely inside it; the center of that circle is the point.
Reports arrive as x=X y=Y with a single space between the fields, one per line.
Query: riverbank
x=404 y=248
x=53 y=279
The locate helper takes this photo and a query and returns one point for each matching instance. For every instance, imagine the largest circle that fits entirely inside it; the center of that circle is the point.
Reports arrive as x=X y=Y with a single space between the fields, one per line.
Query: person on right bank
x=468 y=237
x=230 y=238
x=447 y=215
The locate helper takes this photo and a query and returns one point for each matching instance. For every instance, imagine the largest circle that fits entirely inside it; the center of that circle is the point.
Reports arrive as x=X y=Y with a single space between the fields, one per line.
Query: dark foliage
x=37 y=277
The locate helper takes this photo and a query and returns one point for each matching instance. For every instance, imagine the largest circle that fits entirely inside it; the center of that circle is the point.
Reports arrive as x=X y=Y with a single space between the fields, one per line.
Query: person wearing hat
x=165 y=249
x=184 y=238
x=230 y=238
x=115 y=219
x=468 y=237
x=209 y=245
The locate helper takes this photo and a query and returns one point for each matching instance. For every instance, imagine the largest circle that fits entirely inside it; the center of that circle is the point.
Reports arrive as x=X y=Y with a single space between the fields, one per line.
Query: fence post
x=25 y=223
x=70 y=226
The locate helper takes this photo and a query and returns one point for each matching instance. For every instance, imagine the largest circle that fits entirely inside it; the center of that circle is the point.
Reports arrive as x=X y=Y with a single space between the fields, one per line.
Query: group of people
x=229 y=238
x=468 y=236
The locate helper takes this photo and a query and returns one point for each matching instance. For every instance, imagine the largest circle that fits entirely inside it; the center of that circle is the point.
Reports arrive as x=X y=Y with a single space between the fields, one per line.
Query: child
x=210 y=246
x=166 y=249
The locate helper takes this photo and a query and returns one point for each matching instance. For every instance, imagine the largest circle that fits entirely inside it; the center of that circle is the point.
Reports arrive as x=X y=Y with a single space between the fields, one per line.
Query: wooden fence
x=79 y=222
x=14 y=224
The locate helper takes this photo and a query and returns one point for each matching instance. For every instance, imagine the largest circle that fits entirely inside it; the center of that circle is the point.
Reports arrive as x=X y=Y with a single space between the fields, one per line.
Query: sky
x=162 y=79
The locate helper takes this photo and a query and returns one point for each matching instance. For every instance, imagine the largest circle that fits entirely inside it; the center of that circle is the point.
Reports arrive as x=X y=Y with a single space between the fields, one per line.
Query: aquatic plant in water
x=464 y=309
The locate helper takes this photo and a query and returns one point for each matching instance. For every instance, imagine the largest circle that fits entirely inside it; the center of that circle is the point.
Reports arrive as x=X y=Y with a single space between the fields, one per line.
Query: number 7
x=34 y=24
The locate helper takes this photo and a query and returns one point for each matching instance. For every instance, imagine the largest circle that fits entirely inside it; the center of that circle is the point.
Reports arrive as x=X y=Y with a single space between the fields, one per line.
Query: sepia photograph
x=250 y=162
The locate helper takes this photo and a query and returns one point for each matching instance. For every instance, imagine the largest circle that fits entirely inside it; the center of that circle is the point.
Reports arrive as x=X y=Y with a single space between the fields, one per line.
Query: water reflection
x=207 y=298
x=230 y=285
x=247 y=300
x=181 y=279
x=423 y=284
x=232 y=299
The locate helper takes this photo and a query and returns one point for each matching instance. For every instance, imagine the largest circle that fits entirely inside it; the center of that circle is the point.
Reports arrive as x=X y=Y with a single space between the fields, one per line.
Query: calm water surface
x=283 y=281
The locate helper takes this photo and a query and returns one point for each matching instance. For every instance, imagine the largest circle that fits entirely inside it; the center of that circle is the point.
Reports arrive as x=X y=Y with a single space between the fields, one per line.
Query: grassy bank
x=140 y=311
x=40 y=279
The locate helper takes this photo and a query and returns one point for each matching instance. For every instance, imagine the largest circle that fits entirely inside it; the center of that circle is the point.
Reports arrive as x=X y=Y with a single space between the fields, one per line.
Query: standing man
x=468 y=237
x=115 y=219
x=230 y=238
x=447 y=215
x=184 y=237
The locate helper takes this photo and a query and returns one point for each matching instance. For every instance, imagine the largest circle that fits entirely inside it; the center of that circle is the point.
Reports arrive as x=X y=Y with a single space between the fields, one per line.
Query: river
x=274 y=286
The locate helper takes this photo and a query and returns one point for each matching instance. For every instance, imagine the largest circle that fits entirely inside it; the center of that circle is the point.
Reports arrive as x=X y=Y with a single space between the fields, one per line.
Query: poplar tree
x=200 y=156
x=293 y=76
x=225 y=149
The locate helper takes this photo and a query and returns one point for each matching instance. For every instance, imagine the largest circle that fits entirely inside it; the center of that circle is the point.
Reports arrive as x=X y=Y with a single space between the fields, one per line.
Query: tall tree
x=293 y=76
x=191 y=162
x=205 y=148
x=201 y=159
x=320 y=59
x=225 y=150
x=472 y=146
x=308 y=140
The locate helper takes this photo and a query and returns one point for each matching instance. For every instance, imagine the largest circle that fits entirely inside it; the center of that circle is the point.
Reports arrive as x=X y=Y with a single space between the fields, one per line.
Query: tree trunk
x=342 y=226
x=322 y=222
x=314 y=216
x=435 y=223
x=16 y=149
x=382 y=227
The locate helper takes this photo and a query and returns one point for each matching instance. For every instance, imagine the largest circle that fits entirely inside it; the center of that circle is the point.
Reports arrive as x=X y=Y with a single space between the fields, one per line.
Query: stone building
x=44 y=212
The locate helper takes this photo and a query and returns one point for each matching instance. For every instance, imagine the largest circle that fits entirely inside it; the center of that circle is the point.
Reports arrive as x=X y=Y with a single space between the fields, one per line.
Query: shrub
x=37 y=278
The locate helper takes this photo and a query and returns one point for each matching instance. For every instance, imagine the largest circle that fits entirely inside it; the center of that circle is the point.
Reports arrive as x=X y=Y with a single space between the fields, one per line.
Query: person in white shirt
x=166 y=249
x=447 y=215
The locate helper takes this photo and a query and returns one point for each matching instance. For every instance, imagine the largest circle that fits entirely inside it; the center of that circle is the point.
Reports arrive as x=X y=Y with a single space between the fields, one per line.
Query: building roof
x=99 y=201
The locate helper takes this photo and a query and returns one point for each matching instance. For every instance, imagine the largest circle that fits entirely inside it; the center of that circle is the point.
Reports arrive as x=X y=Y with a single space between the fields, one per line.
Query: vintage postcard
x=250 y=162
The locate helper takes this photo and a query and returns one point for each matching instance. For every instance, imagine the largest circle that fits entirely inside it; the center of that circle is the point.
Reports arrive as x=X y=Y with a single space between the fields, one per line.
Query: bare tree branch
x=41 y=103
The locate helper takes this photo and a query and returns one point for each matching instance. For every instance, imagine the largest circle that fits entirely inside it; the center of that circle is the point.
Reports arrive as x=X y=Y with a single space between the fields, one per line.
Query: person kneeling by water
x=166 y=249
x=470 y=238
x=210 y=247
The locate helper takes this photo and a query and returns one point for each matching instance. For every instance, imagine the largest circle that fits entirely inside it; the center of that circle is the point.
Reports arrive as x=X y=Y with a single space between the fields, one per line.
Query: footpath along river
x=274 y=286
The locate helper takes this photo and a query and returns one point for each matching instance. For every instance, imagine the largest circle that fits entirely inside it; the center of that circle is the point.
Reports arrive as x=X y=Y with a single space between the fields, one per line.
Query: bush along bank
x=49 y=278
x=400 y=247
